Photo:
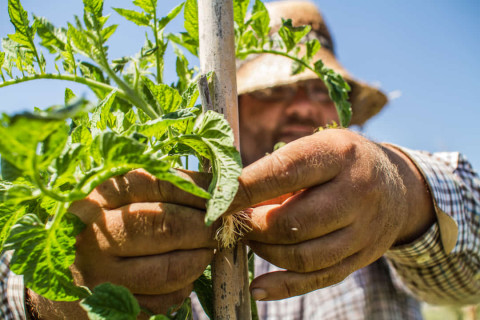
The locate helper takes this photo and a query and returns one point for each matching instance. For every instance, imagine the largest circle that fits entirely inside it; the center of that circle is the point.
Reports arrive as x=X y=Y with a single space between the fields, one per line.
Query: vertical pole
x=217 y=53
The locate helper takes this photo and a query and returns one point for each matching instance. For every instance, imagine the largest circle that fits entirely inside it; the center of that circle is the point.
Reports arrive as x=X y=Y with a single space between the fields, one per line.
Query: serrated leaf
x=240 y=11
x=108 y=31
x=80 y=40
x=54 y=39
x=24 y=33
x=167 y=98
x=94 y=6
x=291 y=35
x=43 y=256
x=213 y=139
x=190 y=13
x=52 y=146
x=2 y=59
x=139 y=18
x=100 y=115
x=169 y=17
x=111 y=302
x=148 y=5
x=260 y=19
x=82 y=135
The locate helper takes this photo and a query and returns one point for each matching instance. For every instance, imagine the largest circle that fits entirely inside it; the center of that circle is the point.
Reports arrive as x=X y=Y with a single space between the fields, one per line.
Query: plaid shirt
x=441 y=267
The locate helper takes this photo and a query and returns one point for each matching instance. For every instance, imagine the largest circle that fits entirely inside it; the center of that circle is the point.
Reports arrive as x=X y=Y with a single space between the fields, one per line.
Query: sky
x=424 y=54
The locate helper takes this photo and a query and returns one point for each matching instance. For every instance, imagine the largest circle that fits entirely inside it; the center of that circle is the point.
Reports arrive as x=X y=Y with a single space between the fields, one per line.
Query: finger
x=304 y=163
x=140 y=186
x=307 y=215
x=285 y=284
x=141 y=229
x=311 y=255
x=155 y=274
x=161 y=303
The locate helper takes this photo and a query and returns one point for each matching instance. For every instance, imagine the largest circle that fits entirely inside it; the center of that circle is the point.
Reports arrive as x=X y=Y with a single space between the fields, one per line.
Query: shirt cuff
x=425 y=251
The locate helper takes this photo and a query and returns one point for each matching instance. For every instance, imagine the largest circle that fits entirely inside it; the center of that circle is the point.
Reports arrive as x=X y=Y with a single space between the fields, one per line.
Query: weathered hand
x=146 y=235
x=354 y=206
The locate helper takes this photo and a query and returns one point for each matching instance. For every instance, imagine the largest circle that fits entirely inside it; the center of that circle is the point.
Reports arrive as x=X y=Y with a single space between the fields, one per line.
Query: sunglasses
x=315 y=90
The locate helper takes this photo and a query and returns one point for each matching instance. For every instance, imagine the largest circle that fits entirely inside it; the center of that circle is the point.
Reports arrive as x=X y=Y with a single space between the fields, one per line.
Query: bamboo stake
x=217 y=53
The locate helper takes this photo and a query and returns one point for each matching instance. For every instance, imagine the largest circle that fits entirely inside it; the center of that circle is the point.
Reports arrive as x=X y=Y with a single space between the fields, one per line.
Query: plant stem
x=157 y=57
x=279 y=53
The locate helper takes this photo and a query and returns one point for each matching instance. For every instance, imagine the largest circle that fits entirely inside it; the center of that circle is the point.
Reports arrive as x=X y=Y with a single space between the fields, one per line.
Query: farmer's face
x=282 y=114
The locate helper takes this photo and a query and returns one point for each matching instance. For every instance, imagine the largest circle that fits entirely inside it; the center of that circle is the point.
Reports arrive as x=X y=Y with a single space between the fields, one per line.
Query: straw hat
x=267 y=70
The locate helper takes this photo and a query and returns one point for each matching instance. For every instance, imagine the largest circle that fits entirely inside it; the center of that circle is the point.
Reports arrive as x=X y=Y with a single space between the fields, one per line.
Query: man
x=373 y=226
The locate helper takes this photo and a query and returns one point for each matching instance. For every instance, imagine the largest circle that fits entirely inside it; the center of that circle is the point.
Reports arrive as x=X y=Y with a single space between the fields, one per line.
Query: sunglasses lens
x=275 y=94
x=317 y=92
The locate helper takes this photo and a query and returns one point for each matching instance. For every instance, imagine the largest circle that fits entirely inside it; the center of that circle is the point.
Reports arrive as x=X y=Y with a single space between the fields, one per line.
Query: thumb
x=301 y=164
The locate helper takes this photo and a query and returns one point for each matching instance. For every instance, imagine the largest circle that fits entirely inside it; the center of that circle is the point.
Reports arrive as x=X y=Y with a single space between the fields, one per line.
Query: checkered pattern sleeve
x=12 y=297
x=443 y=265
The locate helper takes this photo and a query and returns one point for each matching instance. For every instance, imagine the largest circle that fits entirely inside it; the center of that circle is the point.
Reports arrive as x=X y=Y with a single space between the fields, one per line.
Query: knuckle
x=284 y=168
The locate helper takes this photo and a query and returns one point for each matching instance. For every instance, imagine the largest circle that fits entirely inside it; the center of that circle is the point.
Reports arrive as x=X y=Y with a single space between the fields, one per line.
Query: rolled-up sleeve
x=443 y=265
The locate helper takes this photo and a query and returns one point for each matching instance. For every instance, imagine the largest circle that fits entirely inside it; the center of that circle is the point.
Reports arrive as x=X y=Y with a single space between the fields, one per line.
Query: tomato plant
x=53 y=157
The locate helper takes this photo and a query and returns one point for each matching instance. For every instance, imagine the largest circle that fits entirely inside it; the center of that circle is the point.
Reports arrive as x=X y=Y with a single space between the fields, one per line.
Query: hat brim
x=270 y=70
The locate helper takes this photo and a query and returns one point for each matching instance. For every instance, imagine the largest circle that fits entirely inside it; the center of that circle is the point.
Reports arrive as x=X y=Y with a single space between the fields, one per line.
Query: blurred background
x=423 y=54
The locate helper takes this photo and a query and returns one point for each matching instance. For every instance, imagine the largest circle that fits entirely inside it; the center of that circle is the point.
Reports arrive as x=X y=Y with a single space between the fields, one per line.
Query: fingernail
x=259 y=294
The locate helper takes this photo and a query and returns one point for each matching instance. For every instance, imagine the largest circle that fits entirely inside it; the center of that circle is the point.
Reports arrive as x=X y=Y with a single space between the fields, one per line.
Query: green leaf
x=24 y=34
x=213 y=139
x=9 y=171
x=168 y=99
x=79 y=39
x=291 y=35
x=54 y=39
x=186 y=41
x=82 y=135
x=94 y=6
x=43 y=254
x=148 y=5
x=312 y=48
x=157 y=128
x=139 y=18
x=20 y=139
x=12 y=194
x=170 y=16
x=101 y=113
x=52 y=147
x=2 y=59
x=260 y=19
x=203 y=287
x=8 y=217
x=240 y=11
x=190 y=13
x=111 y=302
x=107 y=32
x=69 y=96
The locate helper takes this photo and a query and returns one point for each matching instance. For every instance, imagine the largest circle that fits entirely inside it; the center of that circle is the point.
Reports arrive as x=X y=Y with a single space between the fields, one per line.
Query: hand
x=357 y=200
x=143 y=234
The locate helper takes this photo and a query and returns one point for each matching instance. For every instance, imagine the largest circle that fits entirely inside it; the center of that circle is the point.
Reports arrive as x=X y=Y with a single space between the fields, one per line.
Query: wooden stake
x=217 y=53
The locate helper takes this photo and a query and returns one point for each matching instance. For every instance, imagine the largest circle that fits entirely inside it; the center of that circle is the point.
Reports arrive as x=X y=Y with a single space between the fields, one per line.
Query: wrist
x=420 y=213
